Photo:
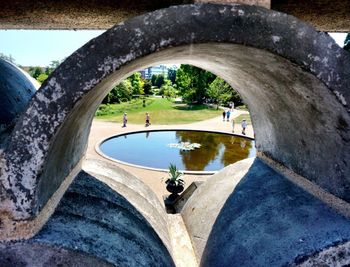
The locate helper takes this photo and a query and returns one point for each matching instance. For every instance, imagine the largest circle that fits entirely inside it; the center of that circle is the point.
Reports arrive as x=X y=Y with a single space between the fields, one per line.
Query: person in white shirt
x=244 y=126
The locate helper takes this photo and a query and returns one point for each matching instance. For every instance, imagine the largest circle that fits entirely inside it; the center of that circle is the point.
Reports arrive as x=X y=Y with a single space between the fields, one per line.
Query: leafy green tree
x=222 y=93
x=172 y=75
x=147 y=87
x=167 y=89
x=159 y=80
x=193 y=83
x=347 y=42
x=120 y=93
x=153 y=79
x=35 y=72
x=52 y=66
x=184 y=83
x=42 y=77
x=219 y=91
x=236 y=98
x=137 y=83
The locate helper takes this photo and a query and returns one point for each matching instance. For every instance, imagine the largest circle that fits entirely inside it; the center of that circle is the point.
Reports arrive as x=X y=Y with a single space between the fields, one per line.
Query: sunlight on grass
x=162 y=111
x=242 y=117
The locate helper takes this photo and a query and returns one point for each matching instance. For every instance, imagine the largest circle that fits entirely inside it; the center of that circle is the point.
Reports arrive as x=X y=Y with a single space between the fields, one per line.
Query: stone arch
x=291 y=76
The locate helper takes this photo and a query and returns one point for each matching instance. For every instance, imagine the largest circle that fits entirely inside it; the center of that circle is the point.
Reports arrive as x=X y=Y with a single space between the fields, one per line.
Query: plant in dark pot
x=174 y=184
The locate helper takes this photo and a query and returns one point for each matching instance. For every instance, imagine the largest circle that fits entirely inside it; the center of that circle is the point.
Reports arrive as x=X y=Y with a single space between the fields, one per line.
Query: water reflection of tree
x=232 y=149
x=197 y=159
x=236 y=149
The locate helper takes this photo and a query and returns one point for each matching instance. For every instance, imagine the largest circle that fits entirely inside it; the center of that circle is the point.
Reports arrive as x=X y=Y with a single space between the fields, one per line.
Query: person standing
x=223 y=115
x=125 y=119
x=148 y=120
x=232 y=106
x=244 y=126
x=228 y=113
x=233 y=125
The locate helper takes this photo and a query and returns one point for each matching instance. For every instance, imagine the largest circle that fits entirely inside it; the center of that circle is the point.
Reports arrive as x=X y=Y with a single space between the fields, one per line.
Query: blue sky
x=40 y=47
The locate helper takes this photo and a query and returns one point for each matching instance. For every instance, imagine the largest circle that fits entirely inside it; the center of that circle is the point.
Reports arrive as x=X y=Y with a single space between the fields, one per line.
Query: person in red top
x=148 y=123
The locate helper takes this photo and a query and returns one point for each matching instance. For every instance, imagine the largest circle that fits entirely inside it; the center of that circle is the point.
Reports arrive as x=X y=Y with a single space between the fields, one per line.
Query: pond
x=188 y=150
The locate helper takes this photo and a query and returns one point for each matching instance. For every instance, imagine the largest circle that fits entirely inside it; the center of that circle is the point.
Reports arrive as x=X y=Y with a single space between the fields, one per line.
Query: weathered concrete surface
x=263 y=3
x=43 y=255
x=95 y=223
x=266 y=221
x=136 y=192
x=325 y=15
x=76 y=14
x=278 y=64
x=338 y=255
x=16 y=89
x=183 y=253
x=201 y=210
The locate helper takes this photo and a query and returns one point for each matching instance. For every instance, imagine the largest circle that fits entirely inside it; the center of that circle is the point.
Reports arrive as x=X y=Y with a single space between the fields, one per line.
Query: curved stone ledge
x=95 y=223
x=16 y=90
x=256 y=217
x=135 y=191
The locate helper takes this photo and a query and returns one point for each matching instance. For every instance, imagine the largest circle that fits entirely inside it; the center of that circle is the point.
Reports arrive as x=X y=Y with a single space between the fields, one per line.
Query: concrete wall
x=202 y=209
x=325 y=15
x=249 y=215
x=293 y=78
x=16 y=89
x=117 y=222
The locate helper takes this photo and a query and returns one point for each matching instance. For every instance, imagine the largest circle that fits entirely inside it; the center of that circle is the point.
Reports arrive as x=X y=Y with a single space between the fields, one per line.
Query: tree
x=7 y=58
x=167 y=89
x=42 y=77
x=35 y=72
x=222 y=93
x=172 y=75
x=347 y=42
x=159 y=81
x=147 y=87
x=183 y=82
x=52 y=66
x=193 y=83
x=137 y=83
x=219 y=91
x=120 y=93
x=153 y=79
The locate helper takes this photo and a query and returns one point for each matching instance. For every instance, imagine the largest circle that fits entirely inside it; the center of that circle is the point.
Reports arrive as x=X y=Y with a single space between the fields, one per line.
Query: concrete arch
x=291 y=76
x=17 y=88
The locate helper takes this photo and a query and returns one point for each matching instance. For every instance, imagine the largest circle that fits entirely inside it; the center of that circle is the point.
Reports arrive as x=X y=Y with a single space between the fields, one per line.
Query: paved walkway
x=101 y=130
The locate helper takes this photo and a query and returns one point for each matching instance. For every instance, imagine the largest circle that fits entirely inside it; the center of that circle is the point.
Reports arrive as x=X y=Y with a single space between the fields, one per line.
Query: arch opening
x=280 y=95
x=276 y=68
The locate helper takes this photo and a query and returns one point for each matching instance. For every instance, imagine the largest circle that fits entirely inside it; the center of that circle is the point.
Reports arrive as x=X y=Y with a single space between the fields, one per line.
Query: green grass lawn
x=162 y=111
x=243 y=116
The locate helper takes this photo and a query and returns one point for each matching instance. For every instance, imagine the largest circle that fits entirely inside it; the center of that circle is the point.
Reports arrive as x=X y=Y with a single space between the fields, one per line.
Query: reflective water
x=151 y=149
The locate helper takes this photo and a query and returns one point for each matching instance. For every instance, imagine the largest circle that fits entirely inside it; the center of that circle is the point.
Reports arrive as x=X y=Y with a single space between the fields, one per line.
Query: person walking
x=148 y=120
x=233 y=125
x=223 y=115
x=244 y=126
x=228 y=113
x=125 y=119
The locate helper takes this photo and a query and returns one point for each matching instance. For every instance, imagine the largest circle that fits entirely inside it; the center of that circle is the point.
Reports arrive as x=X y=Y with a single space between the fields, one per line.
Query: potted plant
x=174 y=184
